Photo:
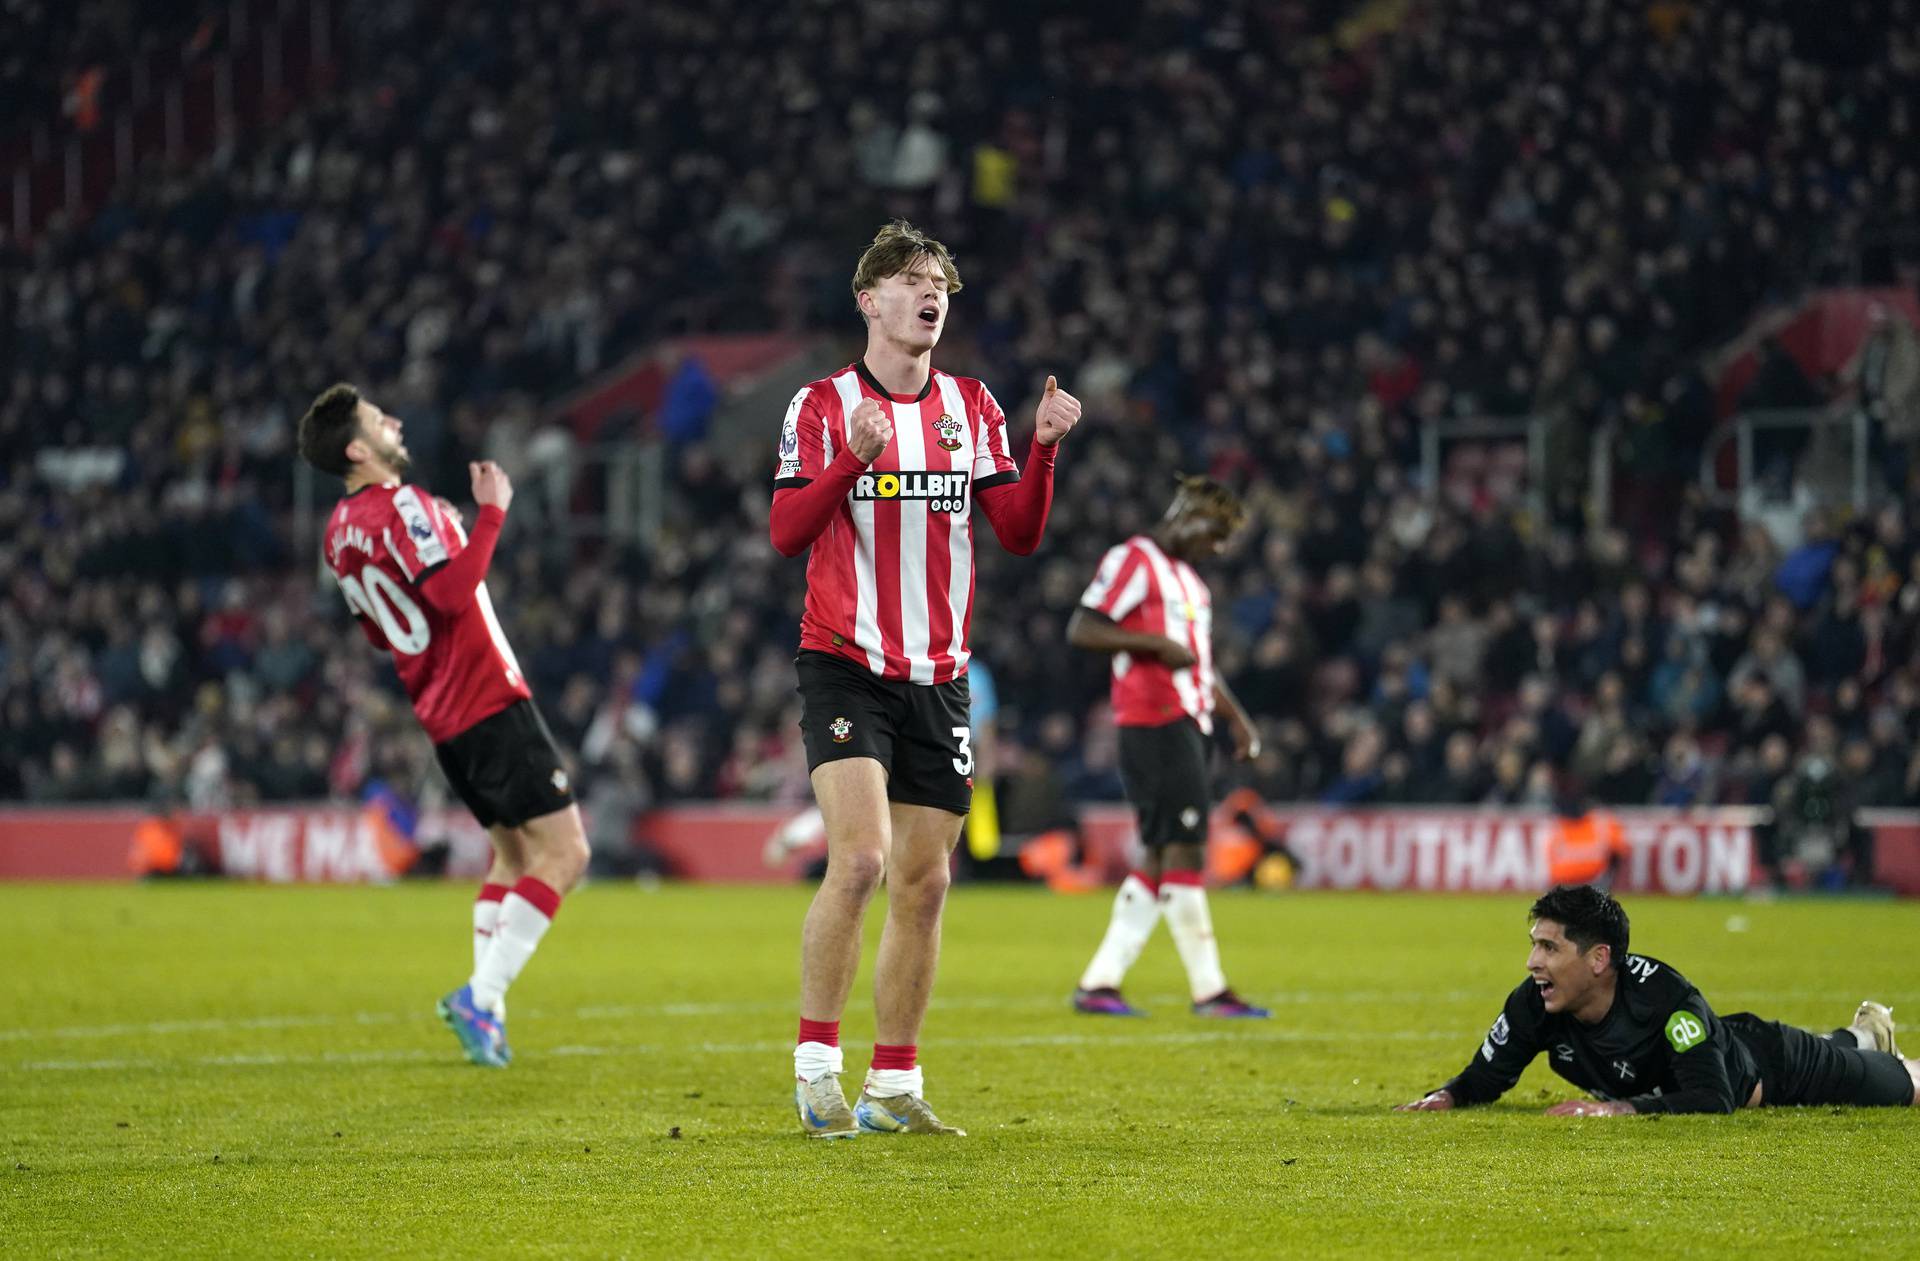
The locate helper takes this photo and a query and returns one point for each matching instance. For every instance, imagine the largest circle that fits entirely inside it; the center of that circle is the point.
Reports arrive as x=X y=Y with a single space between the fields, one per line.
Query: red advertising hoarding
x=1682 y=853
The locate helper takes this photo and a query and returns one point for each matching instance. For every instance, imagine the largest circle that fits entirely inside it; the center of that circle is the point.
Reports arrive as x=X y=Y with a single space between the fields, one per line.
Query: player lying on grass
x=417 y=585
x=1634 y=1034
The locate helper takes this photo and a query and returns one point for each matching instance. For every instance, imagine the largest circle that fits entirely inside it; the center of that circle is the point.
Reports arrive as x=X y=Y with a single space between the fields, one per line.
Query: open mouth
x=930 y=315
x=1546 y=987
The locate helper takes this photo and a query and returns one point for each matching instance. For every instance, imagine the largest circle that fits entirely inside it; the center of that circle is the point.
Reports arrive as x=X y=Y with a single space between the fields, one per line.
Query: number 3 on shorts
x=964 y=763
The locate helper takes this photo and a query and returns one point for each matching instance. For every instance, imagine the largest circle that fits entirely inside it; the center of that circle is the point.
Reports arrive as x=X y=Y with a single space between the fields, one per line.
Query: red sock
x=491 y=893
x=1153 y=886
x=827 y=1031
x=1183 y=877
x=895 y=1057
x=542 y=896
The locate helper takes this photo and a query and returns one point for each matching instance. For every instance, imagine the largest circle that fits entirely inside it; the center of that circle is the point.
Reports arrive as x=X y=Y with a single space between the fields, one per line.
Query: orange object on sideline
x=1580 y=851
x=1047 y=855
x=1231 y=854
x=157 y=848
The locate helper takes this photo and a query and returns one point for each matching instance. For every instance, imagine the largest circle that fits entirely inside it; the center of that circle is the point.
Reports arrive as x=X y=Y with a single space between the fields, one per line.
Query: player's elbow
x=437 y=592
x=1020 y=542
x=784 y=542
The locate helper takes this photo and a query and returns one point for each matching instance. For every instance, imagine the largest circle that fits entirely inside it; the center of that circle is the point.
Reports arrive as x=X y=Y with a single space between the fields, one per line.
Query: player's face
x=1566 y=975
x=910 y=309
x=1198 y=535
x=381 y=434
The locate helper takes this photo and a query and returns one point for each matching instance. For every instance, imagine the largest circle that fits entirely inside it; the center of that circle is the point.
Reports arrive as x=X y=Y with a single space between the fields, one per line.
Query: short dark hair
x=1588 y=916
x=1207 y=497
x=329 y=425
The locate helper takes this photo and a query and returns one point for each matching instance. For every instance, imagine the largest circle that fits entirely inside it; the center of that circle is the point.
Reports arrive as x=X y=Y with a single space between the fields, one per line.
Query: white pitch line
x=1731 y=1000
x=766 y=1047
x=621 y=1011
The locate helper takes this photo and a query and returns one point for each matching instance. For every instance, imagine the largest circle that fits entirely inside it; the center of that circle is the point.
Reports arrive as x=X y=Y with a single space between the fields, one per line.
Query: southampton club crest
x=841 y=730
x=949 y=439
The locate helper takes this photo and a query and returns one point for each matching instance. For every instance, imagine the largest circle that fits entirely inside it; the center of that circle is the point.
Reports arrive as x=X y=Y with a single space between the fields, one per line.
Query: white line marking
x=766 y=1047
x=1732 y=1000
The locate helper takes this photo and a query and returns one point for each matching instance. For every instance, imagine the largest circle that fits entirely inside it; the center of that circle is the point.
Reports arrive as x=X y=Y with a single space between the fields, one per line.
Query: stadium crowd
x=1253 y=250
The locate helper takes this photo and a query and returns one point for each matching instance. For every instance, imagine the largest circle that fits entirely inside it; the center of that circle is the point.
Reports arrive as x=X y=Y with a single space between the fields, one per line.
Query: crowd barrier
x=1709 y=851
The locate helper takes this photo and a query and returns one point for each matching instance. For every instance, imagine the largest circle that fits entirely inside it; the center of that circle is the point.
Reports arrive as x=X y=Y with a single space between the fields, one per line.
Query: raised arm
x=1017 y=509
x=813 y=479
x=448 y=587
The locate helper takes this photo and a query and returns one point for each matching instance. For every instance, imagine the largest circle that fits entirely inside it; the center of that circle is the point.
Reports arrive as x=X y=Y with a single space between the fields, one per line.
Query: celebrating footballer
x=416 y=584
x=879 y=466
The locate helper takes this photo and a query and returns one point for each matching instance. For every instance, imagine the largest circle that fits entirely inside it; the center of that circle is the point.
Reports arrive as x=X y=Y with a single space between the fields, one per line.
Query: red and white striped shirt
x=382 y=544
x=890 y=579
x=1149 y=592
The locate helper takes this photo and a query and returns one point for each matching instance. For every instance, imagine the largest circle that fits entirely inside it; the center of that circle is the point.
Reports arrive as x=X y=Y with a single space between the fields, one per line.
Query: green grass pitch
x=203 y=1070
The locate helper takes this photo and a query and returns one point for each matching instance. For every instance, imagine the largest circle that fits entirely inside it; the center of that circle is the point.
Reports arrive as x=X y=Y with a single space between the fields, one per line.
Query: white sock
x=891 y=1083
x=515 y=937
x=1862 y=1037
x=814 y=1060
x=486 y=917
x=1135 y=912
x=1185 y=906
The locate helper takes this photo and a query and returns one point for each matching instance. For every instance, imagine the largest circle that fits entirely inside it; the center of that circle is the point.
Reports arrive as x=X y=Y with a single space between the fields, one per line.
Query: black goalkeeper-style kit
x=1662 y=1049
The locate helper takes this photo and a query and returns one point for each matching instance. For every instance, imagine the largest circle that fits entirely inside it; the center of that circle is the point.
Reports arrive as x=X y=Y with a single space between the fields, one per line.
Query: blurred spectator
x=1272 y=258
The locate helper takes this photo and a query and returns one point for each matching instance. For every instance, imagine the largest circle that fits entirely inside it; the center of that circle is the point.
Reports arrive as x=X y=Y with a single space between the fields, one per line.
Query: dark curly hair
x=1587 y=915
x=329 y=425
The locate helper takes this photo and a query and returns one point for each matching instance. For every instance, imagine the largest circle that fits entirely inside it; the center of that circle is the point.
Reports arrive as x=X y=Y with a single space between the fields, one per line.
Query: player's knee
x=557 y=855
x=575 y=855
x=857 y=872
x=919 y=891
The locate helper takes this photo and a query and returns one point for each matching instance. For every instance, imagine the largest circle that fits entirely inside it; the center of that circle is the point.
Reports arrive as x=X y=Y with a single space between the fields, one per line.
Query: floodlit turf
x=203 y=1070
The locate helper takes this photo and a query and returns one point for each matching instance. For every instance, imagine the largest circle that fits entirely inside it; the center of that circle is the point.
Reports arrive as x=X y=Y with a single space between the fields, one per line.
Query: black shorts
x=1165 y=772
x=920 y=732
x=1801 y=1068
x=506 y=768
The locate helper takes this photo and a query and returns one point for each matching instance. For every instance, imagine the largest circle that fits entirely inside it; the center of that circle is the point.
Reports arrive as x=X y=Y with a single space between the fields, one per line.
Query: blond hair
x=899 y=247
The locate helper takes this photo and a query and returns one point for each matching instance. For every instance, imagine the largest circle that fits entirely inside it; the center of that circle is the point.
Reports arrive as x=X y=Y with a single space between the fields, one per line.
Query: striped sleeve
x=426 y=537
x=806 y=442
x=1120 y=585
x=992 y=458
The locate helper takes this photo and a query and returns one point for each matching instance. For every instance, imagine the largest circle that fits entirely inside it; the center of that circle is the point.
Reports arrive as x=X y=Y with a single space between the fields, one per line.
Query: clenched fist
x=491 y=485
x=869 y=430
x=1057 y=414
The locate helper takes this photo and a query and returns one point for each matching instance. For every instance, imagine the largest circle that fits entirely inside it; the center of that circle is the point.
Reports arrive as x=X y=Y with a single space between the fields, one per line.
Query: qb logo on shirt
x=1685 y=1031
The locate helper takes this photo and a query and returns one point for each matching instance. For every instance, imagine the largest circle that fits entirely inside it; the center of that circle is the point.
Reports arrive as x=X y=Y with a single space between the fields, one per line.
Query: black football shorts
x=920 y=732
x=506 y=768
x=1798 y=1068
x=1164 y=769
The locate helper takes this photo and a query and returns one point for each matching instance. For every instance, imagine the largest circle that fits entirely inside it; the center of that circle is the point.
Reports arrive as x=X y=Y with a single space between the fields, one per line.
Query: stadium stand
x=1284 y=254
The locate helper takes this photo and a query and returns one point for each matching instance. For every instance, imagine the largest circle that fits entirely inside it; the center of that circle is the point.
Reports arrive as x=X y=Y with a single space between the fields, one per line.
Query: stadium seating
x=1474 y=211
